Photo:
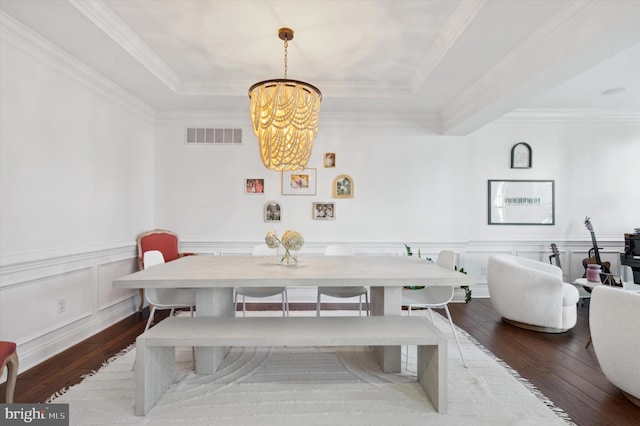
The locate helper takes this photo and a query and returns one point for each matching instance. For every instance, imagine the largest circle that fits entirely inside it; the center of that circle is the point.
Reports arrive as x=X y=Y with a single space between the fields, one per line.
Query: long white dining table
x=214 y=278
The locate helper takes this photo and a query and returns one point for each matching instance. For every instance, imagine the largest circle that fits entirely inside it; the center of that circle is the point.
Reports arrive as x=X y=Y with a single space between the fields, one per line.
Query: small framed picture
x=330 y=159
x=299 y=182
x=521 y=156
x=324 y=211
x=343 y=187
x=254 y=186
x=272 y=212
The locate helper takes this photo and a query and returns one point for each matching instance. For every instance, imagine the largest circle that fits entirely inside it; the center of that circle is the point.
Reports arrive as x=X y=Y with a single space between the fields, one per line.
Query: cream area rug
x=315 y=386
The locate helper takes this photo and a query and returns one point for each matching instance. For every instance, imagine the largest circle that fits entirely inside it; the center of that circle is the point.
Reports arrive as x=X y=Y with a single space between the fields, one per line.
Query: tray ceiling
x=461 y=63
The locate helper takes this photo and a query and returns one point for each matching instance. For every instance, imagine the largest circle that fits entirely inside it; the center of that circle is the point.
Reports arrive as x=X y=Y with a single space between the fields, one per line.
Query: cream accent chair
x=615 y=333
x=165 y=298
x=531 y=294
x=261 y=250
x=343 y=292
x=434 y=297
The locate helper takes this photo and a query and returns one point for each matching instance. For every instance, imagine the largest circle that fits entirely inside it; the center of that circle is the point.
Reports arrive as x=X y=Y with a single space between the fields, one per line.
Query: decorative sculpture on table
x=291 y=241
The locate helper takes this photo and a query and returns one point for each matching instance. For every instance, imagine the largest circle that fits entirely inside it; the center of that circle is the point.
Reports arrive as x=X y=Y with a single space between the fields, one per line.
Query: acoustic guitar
x=555 y=254
x=595 y=259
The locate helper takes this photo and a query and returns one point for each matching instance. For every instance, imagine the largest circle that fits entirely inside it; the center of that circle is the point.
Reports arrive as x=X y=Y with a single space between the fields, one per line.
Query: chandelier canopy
x=284 y=114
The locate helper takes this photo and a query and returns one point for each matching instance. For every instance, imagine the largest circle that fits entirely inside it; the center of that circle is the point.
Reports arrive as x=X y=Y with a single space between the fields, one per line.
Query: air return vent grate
x=213 y=136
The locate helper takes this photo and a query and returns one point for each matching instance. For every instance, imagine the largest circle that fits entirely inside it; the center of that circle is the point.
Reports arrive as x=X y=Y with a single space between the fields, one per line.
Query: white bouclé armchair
x=531 y=294
x=614 y=321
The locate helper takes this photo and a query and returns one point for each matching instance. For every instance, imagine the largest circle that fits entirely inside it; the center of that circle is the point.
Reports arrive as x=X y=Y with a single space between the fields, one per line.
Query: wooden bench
x=155 y=349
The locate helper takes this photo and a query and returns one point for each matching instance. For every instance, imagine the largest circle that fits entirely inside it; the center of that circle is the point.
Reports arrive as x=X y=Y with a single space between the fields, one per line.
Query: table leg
x=141 y=306
x=386 y=301
x=212 y=302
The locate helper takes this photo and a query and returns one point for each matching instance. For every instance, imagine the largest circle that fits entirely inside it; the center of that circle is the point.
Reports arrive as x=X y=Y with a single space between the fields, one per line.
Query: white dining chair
x=434 y=297
x=165 y=298
x=342 y=292
x=259 y=292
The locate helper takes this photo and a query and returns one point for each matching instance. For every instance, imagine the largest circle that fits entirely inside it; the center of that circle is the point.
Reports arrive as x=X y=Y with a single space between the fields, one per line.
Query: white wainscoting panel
x=51 y=302
x=30 y=291
x=107 y=272
x=39 y=300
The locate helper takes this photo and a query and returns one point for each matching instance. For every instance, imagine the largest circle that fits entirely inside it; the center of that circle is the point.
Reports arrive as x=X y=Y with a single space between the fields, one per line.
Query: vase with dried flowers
x=291 y=241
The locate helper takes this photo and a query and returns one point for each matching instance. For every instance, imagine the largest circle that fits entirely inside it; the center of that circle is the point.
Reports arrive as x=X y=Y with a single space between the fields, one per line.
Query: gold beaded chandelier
x=284 y=114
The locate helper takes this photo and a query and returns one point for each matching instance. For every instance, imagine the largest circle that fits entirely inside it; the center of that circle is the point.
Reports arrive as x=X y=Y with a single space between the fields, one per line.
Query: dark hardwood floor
x=557 y=364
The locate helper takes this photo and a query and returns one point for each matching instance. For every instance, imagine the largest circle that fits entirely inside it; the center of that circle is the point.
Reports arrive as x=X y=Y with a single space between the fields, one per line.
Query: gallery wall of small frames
x=304 y=182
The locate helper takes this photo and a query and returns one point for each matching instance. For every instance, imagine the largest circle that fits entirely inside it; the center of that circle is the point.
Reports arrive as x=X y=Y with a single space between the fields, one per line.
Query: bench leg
x=386 y=301
x=212 y=302
x=432 y=374
x=155 y=372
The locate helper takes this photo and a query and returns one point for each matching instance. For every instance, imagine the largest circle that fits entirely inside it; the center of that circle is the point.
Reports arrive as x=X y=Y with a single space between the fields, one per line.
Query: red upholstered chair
x=159 y=239
x=9 y=357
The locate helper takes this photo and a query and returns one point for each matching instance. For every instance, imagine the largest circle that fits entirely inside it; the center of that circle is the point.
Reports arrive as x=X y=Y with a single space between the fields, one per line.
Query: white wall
x=401 y=181
x=410 y=185
x=594 y=165
x=75 y=164
x=76 y=184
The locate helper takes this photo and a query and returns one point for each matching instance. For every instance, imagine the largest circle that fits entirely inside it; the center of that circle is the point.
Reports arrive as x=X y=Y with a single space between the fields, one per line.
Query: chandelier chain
x=286 y=45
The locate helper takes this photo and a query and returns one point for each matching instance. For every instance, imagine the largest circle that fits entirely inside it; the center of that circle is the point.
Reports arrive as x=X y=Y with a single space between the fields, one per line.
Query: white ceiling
x=460 y=63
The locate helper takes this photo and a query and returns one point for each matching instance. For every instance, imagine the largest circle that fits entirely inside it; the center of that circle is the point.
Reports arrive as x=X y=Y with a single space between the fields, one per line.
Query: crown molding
x=31 y=43
x=353 y=89
x=209 y=118
x=567 y=116
x=98 y=13
x=427 y=122
x=364 y=119
x=515 y=76
x=462 y=16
